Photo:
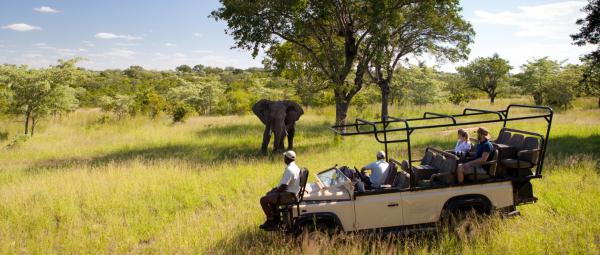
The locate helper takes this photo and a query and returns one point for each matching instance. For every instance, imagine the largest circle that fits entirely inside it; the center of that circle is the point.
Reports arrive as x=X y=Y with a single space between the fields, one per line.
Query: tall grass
x=150 y=186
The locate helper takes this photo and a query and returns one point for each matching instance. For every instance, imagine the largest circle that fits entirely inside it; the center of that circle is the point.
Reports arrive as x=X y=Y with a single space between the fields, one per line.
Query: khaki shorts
x=472 y=169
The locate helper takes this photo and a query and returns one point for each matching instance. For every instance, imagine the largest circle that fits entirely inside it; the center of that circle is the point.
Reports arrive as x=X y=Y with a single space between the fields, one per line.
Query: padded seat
x=503 y=137
x=515 y=163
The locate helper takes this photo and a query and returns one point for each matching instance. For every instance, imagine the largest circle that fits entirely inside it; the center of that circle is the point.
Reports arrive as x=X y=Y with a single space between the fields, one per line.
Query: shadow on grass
x=228 y=149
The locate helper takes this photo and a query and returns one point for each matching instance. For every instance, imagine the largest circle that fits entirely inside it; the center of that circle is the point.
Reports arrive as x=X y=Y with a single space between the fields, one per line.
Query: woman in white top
x=463 y=145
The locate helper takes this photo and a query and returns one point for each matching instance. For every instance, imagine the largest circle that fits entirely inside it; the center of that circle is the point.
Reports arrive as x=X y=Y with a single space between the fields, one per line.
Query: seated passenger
x=285 y=193
x=463 y=145
x=378 y=170
x=483 y=154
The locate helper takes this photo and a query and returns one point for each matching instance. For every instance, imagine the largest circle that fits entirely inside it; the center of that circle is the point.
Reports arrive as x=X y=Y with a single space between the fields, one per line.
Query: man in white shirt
x=378 y=170
x=284 y=193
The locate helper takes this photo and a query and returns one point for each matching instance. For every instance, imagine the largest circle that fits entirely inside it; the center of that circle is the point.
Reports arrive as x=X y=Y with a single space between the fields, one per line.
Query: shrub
x=180 y=112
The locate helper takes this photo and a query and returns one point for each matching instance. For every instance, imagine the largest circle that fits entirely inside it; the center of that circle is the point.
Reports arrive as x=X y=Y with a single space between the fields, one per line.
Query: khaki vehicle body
x=387 y=208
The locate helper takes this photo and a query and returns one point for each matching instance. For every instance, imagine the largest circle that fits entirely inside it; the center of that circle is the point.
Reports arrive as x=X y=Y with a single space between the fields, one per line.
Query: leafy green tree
x=432 y=27
x=183 y=69
x=487 y=74
x=561 y=91
x=422 y=85
x=536 y=76
x=120 y=105
x=36 y=93
x=589 y=32
x=457 y=89
x=590 y=82
x=329 y=33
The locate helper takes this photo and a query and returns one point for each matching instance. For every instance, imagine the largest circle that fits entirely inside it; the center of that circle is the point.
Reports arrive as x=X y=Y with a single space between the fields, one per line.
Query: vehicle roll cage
x=502 y=116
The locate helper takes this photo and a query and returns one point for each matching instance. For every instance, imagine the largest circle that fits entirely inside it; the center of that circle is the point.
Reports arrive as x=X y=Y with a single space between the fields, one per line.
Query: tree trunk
x=33 y=122
x=492 y=98
x=27 y=114
x=385 y=95
x=537 y=98
x=341 y=112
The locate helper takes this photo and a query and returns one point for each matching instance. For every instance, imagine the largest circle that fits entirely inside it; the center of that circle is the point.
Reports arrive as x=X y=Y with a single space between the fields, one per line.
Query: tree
x=561 y=90
x=486 y=74
x=589 y=33
x=536 y=76
x=199 y=69
x=422 y=84
x=36 y=93
x=590 y=82
x=329 y=33
x=434 y=27
x=121 y=105
x=183 y=69
x=457 y=89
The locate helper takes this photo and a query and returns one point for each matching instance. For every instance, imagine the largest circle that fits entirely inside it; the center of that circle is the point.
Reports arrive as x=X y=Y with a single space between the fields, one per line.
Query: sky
x=161 y=35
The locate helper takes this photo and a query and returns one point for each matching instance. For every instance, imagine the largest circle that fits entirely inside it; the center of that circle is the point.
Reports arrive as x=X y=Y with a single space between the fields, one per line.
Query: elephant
x=279 y=118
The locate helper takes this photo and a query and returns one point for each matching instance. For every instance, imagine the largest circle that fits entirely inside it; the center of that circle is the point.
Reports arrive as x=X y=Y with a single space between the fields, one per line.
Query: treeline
x=34 y=93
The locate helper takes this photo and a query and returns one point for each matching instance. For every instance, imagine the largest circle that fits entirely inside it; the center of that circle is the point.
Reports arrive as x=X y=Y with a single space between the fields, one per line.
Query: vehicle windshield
x=332 y=177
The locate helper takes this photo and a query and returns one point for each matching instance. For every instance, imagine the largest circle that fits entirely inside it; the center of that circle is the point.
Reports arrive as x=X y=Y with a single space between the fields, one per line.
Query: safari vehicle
x=408 y=203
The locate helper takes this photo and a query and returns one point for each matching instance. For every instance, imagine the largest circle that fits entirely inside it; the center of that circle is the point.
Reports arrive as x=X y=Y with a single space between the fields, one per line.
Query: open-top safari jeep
x=407 y=201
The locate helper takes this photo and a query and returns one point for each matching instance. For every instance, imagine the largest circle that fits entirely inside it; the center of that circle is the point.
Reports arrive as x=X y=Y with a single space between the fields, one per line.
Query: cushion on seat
x=530 y=143
x=515 y=163
x=437 y=161
x=402 y=180
x=516 y=141
x=503 y=137
x=424 y=172
x=427 y=158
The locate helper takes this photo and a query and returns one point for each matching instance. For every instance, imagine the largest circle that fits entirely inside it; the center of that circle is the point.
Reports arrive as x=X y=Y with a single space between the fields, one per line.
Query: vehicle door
x=378 y=210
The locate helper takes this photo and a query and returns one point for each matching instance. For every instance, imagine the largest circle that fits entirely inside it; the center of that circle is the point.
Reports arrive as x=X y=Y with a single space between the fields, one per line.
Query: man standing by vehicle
x=378 y=170
x=285 y=193
x=484 y=150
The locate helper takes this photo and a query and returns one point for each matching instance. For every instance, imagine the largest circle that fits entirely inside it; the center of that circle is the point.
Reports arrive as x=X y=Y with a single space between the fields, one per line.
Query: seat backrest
x=391 y=172
x=448 y=166
x=516 y=141
x=427 y=158
x=503 y=137
x=493 y=166
x=303 y=180
x=437 y=161
x=402 y=180
x=530 y=143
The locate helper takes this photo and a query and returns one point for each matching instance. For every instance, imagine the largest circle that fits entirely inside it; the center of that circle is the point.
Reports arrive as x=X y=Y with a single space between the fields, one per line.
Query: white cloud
x=46 y=9
x=197 y=35
x=170 y=44
x=123 y=53
x=22 y=27
x=88 y=43
x=551 y=21
x=108 y=36
x=40 y=44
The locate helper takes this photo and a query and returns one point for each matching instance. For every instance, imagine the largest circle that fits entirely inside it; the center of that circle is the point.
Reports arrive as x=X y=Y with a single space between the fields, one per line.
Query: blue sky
x=164 y=34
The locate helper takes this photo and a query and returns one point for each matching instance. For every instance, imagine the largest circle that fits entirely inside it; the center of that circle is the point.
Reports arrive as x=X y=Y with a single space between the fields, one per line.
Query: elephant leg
x=291 y=132
x=266 y=139
x=278 y=143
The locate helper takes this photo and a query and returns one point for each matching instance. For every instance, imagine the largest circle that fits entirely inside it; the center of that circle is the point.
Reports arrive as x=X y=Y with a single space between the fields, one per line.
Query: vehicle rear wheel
x=465 y=224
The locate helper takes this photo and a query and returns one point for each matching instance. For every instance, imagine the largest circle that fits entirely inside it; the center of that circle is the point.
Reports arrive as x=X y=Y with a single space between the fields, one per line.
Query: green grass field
x=80 y=186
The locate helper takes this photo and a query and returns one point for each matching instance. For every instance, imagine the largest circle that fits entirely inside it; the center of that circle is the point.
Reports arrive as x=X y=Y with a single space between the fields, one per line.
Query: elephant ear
x=293 y=109
x=261 y=110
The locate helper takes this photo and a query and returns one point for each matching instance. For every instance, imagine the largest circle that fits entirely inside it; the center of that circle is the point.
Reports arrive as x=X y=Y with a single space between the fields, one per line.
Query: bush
x=17 y=141
x=180 y=112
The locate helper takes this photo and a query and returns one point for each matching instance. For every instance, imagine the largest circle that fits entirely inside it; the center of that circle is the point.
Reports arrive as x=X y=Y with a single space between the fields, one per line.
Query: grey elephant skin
x=279 y=118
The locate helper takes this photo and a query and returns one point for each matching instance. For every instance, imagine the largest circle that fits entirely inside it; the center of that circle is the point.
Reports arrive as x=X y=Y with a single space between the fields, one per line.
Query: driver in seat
x=285 y=193
x=378 y=170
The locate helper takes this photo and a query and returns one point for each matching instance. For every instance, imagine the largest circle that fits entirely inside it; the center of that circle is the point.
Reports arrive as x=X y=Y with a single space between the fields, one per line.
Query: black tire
x=465 y=224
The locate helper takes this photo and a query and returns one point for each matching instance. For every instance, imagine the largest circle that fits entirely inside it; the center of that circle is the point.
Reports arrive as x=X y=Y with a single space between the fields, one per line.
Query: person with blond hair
x=482 y=155
x=463 y=145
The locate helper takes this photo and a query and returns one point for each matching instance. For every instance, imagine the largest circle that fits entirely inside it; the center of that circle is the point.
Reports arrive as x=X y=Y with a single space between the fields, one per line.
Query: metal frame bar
x=503 y=116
